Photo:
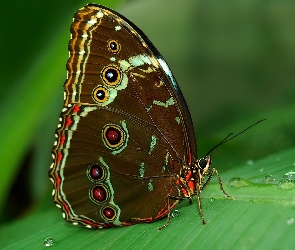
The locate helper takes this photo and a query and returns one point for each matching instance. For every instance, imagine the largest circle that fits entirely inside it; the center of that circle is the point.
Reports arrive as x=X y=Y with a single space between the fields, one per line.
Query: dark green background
x=234 y=61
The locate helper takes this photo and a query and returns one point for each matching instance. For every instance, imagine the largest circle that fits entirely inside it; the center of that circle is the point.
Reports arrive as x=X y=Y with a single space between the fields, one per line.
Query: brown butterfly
x=125 y=149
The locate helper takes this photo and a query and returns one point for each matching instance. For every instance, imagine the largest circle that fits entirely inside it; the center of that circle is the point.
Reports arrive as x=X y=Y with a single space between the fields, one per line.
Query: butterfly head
x=193 y=176
x=200 y=169
x=203 y=167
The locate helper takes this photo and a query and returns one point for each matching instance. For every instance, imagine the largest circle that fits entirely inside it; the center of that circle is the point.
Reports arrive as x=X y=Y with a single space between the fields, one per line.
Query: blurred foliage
x=234 y=61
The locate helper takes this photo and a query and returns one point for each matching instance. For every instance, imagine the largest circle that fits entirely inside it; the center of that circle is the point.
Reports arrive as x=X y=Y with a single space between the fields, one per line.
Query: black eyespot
x=202 y=163
x=111 y=76
x=100 y=94
x=114 y=46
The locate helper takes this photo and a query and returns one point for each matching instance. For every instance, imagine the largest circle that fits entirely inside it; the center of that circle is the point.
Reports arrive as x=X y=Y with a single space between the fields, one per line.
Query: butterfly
x=125 y=149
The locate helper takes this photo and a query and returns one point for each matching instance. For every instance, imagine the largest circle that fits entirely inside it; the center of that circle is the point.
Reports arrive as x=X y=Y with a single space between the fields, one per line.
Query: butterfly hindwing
x=126 y=173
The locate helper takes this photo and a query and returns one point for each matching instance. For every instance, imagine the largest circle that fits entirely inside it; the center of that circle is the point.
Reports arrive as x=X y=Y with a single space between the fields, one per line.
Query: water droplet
x=288 y=181
x=268 y=178
x=286 y=184
x=290 y=176
x=238 y=182
x=48 y=242
x=212 y=199
x=175 y=213
x=291 y=221
x=250 y=162
x=261 y=170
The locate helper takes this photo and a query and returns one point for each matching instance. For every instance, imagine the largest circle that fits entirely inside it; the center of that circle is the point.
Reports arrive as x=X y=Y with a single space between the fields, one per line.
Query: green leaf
x=234 y=62
x=259 y=215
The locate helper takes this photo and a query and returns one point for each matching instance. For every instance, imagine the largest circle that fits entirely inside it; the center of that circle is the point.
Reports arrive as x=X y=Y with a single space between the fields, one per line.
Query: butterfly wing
x=125 y=129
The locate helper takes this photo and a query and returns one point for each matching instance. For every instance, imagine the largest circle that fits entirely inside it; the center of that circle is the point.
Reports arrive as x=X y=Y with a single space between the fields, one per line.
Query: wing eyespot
x=100 y=94
x=114 y=46
x=111 y=76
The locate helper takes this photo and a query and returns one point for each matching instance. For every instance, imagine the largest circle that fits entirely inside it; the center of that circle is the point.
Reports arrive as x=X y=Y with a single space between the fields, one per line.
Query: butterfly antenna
x=230 y=137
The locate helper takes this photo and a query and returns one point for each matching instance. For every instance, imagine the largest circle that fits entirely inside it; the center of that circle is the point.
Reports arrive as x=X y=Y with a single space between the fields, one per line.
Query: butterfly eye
x=100 y=94
x=111 y=75
x=114 y=46
x=202 y=163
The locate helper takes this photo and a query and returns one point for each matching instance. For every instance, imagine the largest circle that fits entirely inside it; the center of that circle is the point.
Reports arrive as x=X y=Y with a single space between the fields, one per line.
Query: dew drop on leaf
x=48 y=242
x=290 y=176
x=286 y=184
x=268 y=178
x=250 y=162
x=238 y=182
x=291 y=221
x=175 y=213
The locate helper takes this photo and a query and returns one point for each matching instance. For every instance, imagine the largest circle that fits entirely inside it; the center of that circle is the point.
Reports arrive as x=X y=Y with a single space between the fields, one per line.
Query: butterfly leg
x=169 y=208
x=214 y=171
x=200 y=208
x=169 y=214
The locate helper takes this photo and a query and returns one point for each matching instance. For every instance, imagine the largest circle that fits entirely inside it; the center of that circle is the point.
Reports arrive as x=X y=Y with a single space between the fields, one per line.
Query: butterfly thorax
x=191 y=177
